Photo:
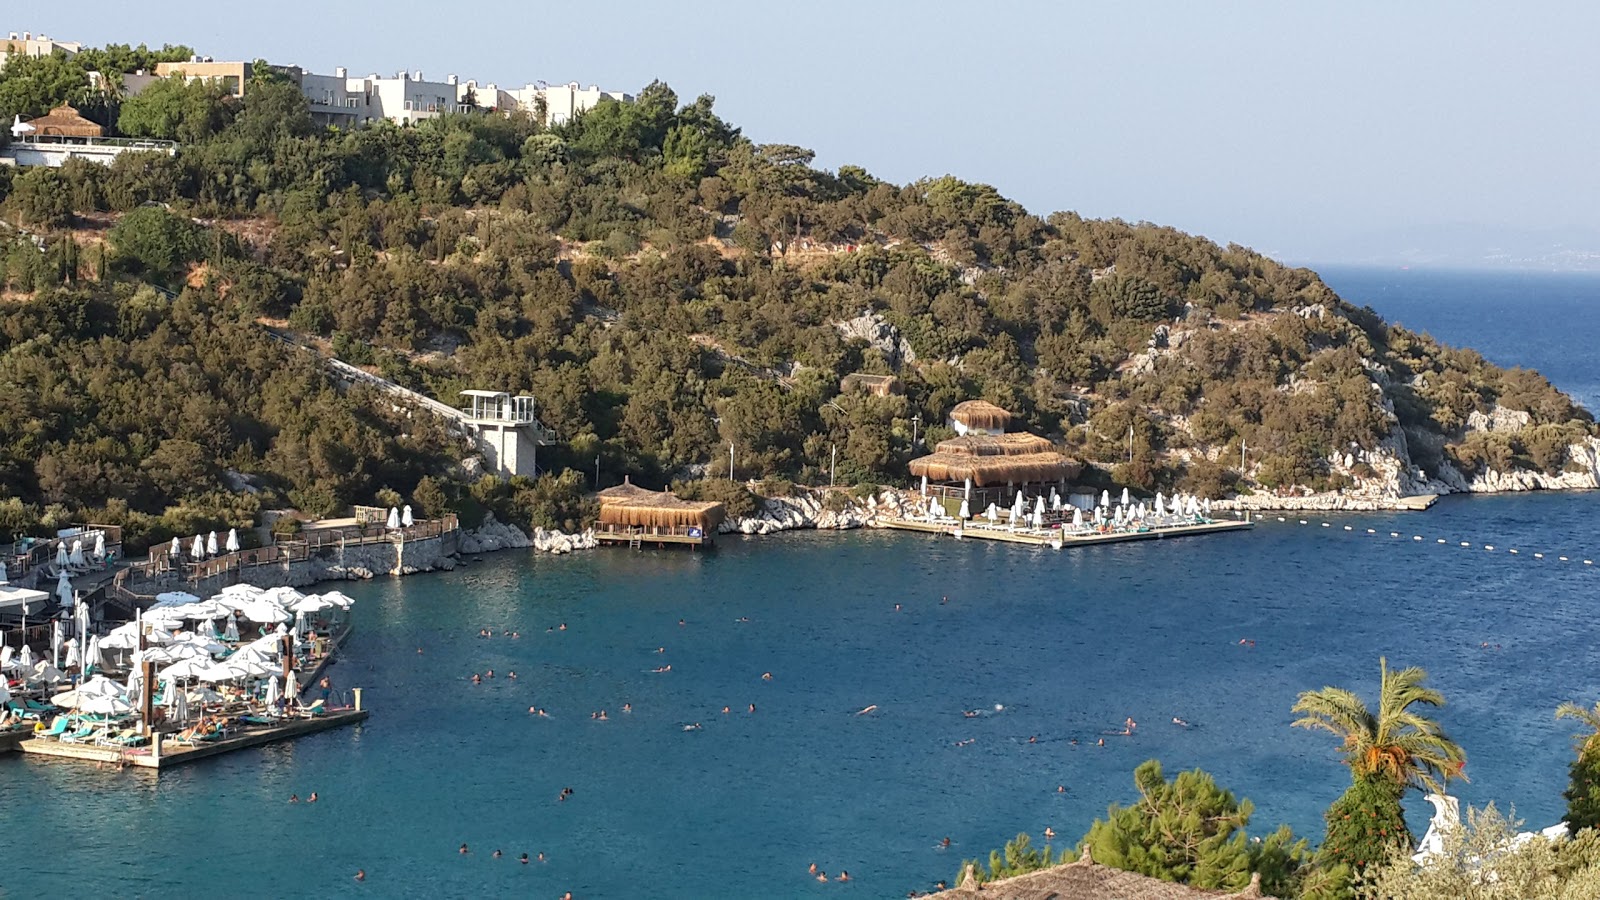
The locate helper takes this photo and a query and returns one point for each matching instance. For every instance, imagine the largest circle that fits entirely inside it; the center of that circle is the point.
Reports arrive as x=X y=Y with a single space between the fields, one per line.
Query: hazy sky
x=1295 y=128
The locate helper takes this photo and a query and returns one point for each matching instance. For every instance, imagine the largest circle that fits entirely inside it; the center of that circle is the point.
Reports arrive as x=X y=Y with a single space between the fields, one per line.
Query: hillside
x=665 y=287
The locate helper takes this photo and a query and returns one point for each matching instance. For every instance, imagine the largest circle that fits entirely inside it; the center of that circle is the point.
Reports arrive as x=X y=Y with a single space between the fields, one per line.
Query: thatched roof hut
x=1088 y=880
x=64 y=121
x=629 y=505
x=996 y=459
x=979 y=415
x=880 y=385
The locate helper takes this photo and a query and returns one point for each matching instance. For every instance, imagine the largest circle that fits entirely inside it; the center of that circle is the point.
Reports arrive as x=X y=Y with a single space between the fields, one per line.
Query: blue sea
x=1049 y=646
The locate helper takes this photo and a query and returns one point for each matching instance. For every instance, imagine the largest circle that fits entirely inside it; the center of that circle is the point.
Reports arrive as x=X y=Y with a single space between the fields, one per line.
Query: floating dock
x=175 y=754
x=1058 y=538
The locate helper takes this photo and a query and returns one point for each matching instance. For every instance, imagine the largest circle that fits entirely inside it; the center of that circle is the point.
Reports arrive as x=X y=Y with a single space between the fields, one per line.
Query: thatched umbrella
x=980 y=414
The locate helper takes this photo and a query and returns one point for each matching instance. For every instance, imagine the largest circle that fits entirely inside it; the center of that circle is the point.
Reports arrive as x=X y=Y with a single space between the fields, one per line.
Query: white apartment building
x=27 y=44
x=563 y=101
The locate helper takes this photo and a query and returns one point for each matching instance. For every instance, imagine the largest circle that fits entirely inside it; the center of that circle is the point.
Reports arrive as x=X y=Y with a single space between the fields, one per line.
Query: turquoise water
x=1068 y=643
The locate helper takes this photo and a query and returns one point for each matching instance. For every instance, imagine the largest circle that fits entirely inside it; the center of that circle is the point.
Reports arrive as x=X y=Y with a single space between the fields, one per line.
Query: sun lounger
x=88 y=734
x=23 y=711
x=56 y=729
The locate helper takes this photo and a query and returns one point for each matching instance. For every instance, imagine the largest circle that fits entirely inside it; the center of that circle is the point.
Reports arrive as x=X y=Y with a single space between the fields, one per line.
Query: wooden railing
x=318 y=538
x=24 y=556
x=648 y=531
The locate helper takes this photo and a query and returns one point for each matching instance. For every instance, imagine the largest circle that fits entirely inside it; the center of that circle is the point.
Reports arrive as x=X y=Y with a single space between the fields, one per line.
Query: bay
x=1050 y=645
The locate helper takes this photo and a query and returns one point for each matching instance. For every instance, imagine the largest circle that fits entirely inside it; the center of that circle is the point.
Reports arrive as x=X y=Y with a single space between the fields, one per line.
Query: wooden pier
x=661 y=536
x=175 y=754
x=1059 y=538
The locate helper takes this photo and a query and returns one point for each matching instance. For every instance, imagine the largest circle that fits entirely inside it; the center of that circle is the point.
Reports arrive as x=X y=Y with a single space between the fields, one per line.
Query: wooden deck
x=1056 y=538
x=174 y=754
x=639 y=537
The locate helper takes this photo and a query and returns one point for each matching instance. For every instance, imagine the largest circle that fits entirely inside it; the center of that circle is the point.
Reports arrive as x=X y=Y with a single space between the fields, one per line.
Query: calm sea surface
x=1052 y=645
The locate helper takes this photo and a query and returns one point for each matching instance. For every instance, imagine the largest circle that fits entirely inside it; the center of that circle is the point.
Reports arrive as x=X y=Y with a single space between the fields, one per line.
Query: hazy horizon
x=1440 y=134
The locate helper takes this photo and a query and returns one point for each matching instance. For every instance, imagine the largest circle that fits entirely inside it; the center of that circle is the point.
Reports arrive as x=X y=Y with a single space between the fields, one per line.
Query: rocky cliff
x=809 y=509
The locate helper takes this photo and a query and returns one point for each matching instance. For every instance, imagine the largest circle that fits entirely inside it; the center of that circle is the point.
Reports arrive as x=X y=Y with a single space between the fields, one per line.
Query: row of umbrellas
x=206 y=546
x=74 y=558
x=1124 y=512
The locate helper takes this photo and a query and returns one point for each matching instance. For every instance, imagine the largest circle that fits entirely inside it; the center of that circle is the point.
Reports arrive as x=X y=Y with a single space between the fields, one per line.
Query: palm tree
x=1583 y=790
x=1398 y=744
x=1589 y=742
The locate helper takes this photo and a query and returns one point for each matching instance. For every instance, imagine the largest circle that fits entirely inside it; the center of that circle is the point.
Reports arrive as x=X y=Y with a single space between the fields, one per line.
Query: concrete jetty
x=1055 y=537
x=170 y=753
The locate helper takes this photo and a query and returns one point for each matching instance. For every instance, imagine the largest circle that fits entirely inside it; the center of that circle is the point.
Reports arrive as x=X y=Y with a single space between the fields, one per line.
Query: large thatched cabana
x=636 y=514
x=978 y=417
x=877 y=385
x=64 y=121
x=983 y=468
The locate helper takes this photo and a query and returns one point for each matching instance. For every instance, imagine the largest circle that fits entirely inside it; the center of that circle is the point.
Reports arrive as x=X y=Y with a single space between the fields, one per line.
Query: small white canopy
x=198 y=550
x=187 y=668
x=394 y=518
x=212 y=547
x=233 y=540
x=405 y=516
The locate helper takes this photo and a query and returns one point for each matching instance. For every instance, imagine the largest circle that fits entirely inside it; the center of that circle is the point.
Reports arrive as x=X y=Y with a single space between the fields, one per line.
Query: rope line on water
x=1417 y=538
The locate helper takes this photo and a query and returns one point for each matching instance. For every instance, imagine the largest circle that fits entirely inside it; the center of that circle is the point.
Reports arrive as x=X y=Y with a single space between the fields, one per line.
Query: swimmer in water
x=752 y=707
x=497 y=854
x=1178 y=721
x=562 y=627
x=897 y=607
x=1049 y=832
x=843 y=876
x=682 y=622
x=692 y=727
x=822 y=876
x=602 y=715
x=361 y=874
x=489 y=674
x=1033 y=739
x=627 y=707
x=511 y=675
x=766 y=676
x=312 y=798
x=867 y=710
x=726 y=710
x=1101 y=742
x=813 y=868
x=523 y=859
x=294 y=798
x=463 y=851
x=970 y=713
x=944 y=843
x=532 y=711
x=476 y=679
x=1061 y=789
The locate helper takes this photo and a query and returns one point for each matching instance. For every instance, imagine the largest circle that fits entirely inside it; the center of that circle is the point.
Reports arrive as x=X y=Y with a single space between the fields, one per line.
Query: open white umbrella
x=104 y=706
x=174 y=598
x=187 y=668
x=204 y=695
x=211 y=544
x=176 y=549
x=339 y=599
x=43 y=674
x=394 y=518
x=198 y=550
x=405 y=516
x=233 y=540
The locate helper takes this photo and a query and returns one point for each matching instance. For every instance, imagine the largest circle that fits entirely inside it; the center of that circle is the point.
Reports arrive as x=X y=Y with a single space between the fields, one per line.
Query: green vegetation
x=1583 y=792
x=665 y=287
x=1481 y=861
x=1388 y=751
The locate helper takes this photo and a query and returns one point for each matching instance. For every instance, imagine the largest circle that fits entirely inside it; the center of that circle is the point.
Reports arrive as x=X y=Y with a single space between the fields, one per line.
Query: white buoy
x=1588 y=562
x=1280 y=518
x=1488 y=546
x=1416 y=537
x=1372 y=531
x=1512 y=550
x=1538 y=556
x=1465 y=544
x=1562 y=558
x=1441 y=540
x=1394 y=534
x=1326 y=525
x=1302 y=521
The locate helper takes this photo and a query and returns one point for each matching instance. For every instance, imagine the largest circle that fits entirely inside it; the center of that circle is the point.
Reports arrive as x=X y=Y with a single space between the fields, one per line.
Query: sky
x=1315 y=132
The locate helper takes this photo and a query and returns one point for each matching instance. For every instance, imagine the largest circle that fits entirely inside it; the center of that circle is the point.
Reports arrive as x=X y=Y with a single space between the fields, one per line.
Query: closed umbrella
x=394 y=518
x=75 y=558
x=1125 y=499
x=291 y=686
x=74 y=658
x=1017 y=508
x=179 y=703
x=272 y=691
x=1077 y=518
x=1105 y=498
x=405 y=516
x=176 y=550
x=992 y=513
x=25 y=656
x=1207 y=506
x=64 y=590
x=91 y=655
x=233 y=540
x=4 y=576
x=211 y=544
x=61 y=555
x=100 y=544
x=55 y=642
x=198 y=550
x=230 y=631
x=1038 y=511
x=966 y=511
x=1038 y=518
x=934 y=509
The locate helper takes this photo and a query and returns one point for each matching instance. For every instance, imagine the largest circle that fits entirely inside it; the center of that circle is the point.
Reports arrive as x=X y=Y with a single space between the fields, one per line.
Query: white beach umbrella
x=238 y=590
x=74 y=658
x=934 y=509
x=119 y=639
x=164 y=615
x=311 y=604
x=1038 y=518
x=1038 y=510
x=91 y=654
x=5 y=577
x=992 y=514
x=135 y=686
x=272 y=691
x=104 y=706
x=178 y=703
x=230 y=631
x=198 y=550
x=1194 y=507
x=173 y=598
x=212 y=546
x=207 y=629
x=204 y=644
x=1105 y=498
x=25 y=657
x=966 y=511
x=64 y=590
x=187 y=668
x=291 y=686
x=176 y=549
x=1077 y=518
x=75 y=558
x=285 y=596
x=44 y=674
x=204 y=695
x=405 y=516
x=1012 y=517
x=1161 y=507
x=339 y=599
x=299 y=624
x=1207 y=506
x=100 y=544
x=55 y=641
x=233 y=540
x=61 y=555
x=264 y=610
x=394 y=518
x=1018 y=507
x=1125 y=498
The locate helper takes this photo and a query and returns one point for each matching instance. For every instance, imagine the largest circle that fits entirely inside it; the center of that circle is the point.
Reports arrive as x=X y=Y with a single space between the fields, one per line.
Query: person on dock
x=326 y=687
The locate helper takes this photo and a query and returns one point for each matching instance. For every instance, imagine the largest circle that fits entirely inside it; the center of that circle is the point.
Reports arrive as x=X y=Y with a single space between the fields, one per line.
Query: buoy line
x=1467 y=544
